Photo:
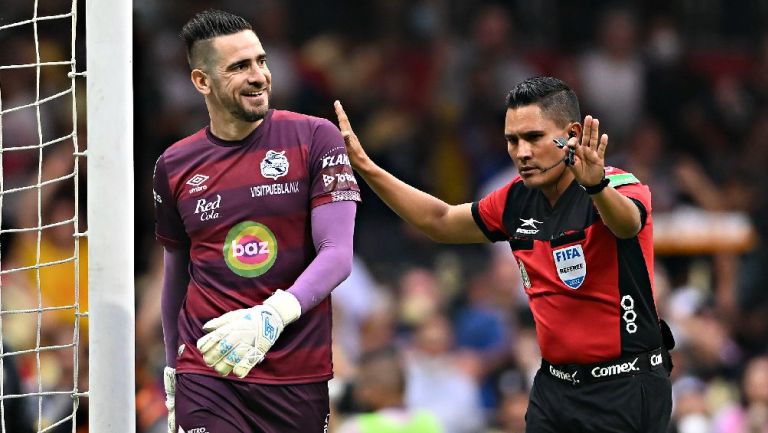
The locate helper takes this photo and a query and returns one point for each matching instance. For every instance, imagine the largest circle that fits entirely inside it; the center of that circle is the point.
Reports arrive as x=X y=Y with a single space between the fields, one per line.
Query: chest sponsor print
x=208 y=208
x=571 y=266
x=250 y=249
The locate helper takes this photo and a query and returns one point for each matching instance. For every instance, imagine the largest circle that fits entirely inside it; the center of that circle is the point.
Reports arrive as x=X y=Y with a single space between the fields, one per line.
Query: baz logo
x=530 y=222
x=196 y=182
x=571 y=266
x=274 y=165
x=250 y=249
x=207 y=209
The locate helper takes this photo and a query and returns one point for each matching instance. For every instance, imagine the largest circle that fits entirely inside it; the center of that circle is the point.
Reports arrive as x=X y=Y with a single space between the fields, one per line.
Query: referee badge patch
x=571 y=266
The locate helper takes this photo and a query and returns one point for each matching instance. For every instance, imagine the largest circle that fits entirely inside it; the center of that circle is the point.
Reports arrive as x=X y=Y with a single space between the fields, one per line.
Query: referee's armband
x=620 y=179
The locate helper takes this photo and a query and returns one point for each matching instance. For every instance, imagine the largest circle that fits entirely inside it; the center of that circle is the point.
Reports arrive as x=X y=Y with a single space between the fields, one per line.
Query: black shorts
x=207 y=404
x=640 y=403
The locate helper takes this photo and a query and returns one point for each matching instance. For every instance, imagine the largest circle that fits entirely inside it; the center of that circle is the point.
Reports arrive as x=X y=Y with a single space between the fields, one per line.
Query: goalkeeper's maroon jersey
x=590 y=292
x=243 y=211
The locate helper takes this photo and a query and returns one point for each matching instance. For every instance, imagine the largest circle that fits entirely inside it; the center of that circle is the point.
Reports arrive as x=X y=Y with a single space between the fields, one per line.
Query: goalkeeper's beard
x=238 y=111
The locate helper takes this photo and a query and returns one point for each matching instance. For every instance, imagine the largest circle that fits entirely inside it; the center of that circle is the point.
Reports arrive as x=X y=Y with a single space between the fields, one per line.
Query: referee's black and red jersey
x=590 y=292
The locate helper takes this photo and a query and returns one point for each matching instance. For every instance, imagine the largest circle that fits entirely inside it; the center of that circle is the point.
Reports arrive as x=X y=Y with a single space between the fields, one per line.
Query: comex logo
x=560 y=374
x=613 y=370
x=530 y=222
x=196 y=182
x=250 y=249
x=628 y=305
x=656 y=359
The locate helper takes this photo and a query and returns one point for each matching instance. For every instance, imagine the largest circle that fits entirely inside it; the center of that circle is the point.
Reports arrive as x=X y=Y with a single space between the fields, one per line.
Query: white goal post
x=111 y=316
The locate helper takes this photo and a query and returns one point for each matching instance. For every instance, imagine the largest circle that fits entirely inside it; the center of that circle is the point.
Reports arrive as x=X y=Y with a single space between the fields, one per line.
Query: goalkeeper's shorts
x=208 y=404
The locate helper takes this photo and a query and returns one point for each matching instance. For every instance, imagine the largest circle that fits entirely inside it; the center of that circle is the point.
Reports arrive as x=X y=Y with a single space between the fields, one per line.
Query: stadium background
x=681 y=87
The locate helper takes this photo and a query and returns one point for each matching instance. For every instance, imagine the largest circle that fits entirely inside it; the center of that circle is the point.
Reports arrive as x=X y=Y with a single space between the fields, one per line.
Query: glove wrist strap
x=286 y=305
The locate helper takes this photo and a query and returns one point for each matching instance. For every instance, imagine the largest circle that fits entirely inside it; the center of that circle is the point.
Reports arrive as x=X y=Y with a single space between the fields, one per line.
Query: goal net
x=66 y=283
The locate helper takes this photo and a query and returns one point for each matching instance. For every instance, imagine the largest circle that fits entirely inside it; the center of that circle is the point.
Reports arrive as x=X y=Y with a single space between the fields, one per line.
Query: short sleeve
x=331 y=174
x=629 y=186
x=488 y=213
x=169 y=227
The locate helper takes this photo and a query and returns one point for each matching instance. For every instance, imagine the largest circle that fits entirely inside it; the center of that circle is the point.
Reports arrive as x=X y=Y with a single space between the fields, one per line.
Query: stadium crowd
x=680 y=87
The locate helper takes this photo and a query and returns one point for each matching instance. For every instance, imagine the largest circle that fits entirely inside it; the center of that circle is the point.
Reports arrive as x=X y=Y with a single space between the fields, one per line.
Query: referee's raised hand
x=357 y=156
x=589 y=166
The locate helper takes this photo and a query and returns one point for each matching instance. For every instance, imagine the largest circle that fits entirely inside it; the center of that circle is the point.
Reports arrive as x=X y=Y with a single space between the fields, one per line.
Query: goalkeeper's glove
x=169 y=379
x=238 y=340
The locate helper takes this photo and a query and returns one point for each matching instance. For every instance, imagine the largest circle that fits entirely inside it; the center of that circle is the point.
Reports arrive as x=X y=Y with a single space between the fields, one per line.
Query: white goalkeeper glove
x=169 y=379
x=238 y=340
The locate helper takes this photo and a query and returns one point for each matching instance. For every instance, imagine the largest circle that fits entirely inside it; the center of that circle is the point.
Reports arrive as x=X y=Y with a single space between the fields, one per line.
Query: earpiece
x=571 y=134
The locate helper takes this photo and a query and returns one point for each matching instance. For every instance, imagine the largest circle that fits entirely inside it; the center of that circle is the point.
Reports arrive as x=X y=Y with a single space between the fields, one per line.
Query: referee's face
x=530 y=134
x=241 y=82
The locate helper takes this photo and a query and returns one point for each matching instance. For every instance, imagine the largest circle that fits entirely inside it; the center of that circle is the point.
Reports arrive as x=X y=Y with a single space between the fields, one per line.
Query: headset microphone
x=568 y=158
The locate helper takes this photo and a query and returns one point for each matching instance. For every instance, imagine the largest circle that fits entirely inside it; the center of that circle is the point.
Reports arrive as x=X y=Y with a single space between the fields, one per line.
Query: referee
x=582 y=236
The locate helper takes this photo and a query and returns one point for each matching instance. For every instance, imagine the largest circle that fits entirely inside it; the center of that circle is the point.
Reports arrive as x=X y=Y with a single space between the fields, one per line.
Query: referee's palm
x=589 y=165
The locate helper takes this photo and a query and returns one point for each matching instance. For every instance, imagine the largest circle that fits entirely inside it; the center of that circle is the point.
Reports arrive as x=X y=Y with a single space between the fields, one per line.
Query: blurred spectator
x=690 y=409
x=442 y=380
x=612 y=75
x=16 y=410
x=751 y=416
x=380 y=388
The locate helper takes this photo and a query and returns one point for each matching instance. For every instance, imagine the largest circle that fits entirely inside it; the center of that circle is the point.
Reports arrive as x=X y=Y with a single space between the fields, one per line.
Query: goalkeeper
x=256 y=214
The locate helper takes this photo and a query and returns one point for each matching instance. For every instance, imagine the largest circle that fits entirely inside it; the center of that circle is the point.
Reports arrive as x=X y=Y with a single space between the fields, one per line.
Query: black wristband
x=594 y=189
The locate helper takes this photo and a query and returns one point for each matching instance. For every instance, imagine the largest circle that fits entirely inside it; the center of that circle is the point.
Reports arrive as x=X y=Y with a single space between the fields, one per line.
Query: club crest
x=274 y=165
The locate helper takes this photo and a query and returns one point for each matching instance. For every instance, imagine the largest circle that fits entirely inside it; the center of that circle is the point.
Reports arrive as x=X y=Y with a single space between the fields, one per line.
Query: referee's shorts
x=631 y=394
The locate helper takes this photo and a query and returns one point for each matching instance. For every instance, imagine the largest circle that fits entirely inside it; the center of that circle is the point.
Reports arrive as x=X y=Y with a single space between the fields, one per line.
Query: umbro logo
x=530 y=222
x=196 y=182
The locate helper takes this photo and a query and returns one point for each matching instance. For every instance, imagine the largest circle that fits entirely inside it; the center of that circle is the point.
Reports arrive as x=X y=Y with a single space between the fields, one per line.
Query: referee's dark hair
x=552 y=95
x=207 y=25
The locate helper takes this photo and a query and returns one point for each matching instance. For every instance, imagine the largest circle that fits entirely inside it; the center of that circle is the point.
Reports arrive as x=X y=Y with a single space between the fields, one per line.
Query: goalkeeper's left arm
x=175 y=280
x=238 y=340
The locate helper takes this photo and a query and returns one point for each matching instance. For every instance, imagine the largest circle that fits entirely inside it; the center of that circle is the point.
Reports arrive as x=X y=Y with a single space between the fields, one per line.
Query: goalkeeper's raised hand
x=238 y=340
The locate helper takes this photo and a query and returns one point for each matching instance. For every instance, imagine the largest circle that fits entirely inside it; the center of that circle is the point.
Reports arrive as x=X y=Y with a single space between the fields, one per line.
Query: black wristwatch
x=594 y=189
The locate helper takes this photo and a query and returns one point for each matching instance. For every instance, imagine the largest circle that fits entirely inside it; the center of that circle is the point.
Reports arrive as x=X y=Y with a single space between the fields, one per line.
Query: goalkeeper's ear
x=286 y=305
